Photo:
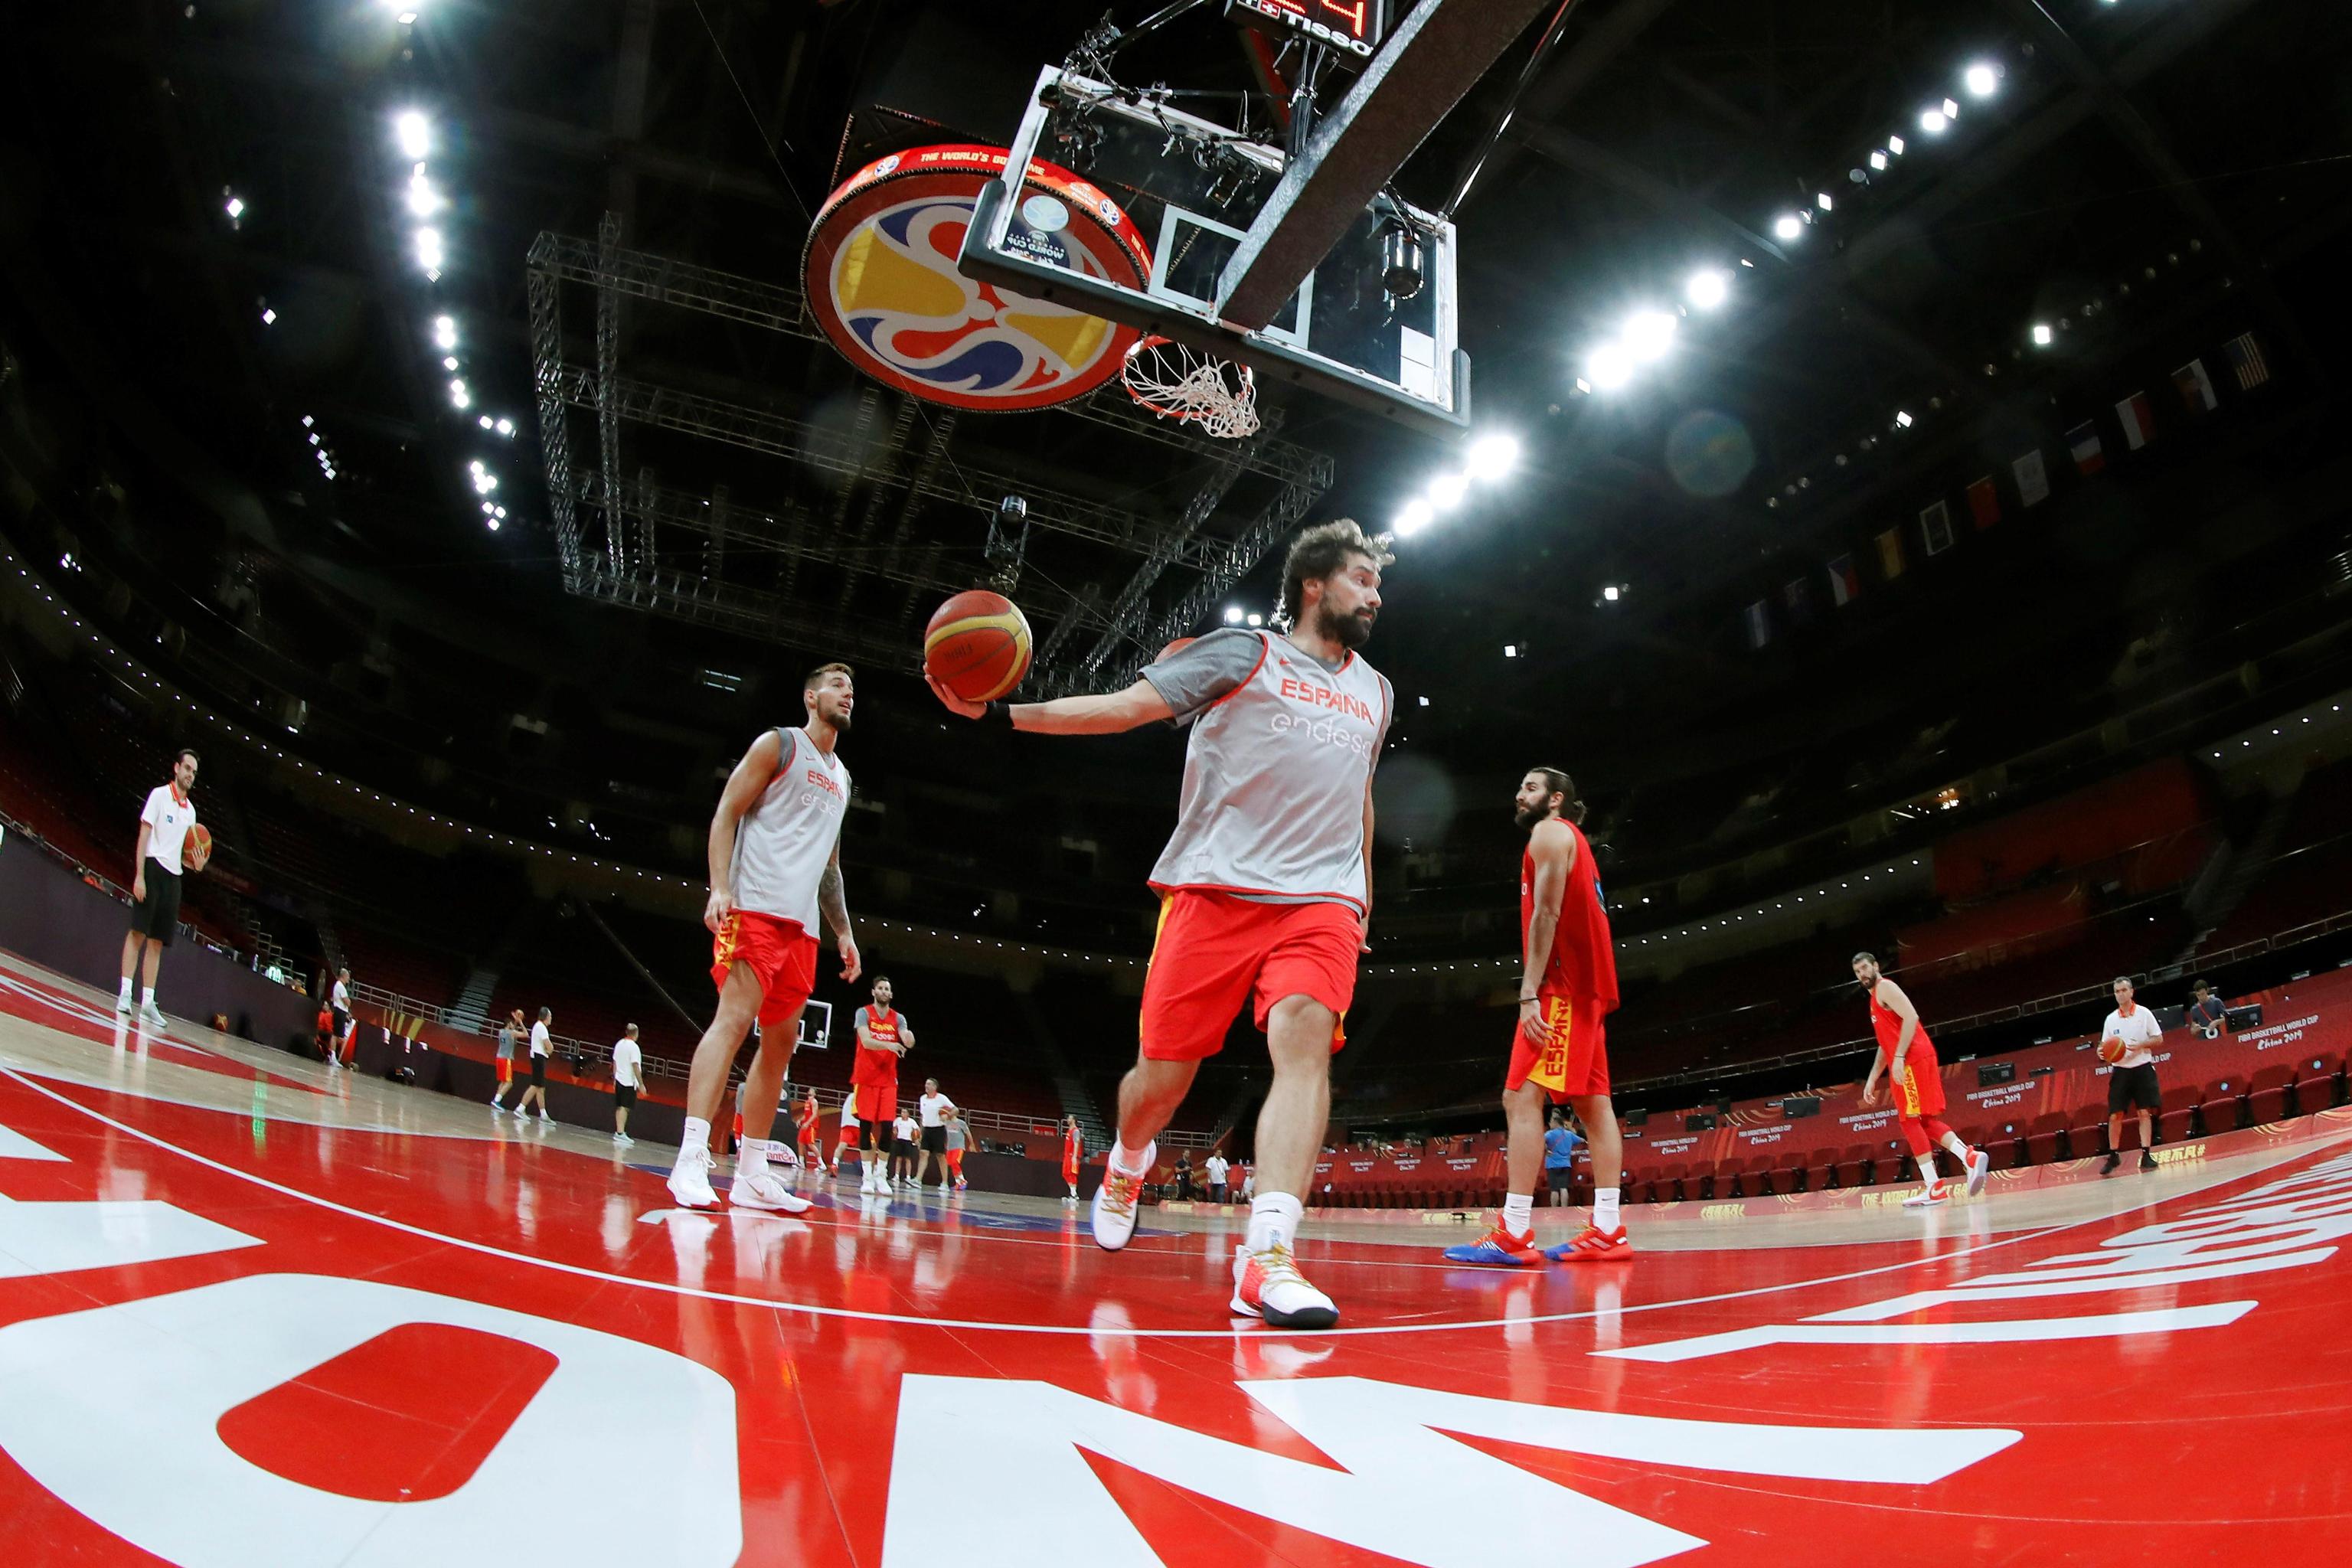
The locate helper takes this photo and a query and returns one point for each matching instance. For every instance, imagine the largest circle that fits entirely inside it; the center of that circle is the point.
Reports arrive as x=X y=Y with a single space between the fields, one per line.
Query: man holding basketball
x=775 y=866
x=1909 y=1058
x=156 y=865
x=2129 y=1042
x=1264 y=888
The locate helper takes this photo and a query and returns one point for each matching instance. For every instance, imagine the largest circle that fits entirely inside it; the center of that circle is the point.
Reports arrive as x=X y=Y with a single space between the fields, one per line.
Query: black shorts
x=157 y=916
x=624 y=1097
x=935 y=1139
x=538 y=1070
x=343 y=1024
x=2127 y=1087
x=900 y=1149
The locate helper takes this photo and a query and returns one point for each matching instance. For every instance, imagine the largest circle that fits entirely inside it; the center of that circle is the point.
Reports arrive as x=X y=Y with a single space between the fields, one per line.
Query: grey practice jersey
x=1276 y=777
x=787 y=837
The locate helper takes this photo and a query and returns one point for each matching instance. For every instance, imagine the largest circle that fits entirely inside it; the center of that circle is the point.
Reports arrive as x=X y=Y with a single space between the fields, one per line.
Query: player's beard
x=1527 y=817
x=1350 y=631
x=839 y=720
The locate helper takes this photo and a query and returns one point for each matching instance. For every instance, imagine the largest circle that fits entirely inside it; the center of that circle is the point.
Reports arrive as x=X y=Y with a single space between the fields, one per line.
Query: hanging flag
x=1759 y=624
x=2196 y=387
x=2082 y=440
x=2032 y=479
x=1935 y=522
x=1799 y=592
x=1890 y=553
x=1984 y=503
x=2138 y=420
x=2245 y=357
x=1845 y=583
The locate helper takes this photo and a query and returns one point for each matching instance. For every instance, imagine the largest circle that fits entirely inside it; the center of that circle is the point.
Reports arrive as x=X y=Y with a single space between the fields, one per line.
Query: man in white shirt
x=932 y=1109
x=164 y=827
x=2132 y=1080
x=1217 y=1170
x=345 y=1044
x=628 y=1076
x=542 y=1046
x=903 y=1131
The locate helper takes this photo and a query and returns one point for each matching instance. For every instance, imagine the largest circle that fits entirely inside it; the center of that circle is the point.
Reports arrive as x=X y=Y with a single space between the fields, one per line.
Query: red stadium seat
x=2272 y=1089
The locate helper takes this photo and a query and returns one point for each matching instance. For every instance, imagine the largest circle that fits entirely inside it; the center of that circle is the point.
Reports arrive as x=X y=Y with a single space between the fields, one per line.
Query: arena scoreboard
x=1352 y=28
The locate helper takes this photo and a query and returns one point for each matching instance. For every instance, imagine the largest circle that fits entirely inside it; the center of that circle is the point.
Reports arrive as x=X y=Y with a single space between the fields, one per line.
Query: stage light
x=1902 y=420
x=2042 y=333
x=1707 y=287
x=428 y=249
x=1649 y=334
x=444 y=331
x=1232 y=615
x=1258 y=620
x=1788 y=226
x=483 y=422
x=269 y=317
x=414 y=131
x=1447 y=491
x=1981 y=80
x=1878 y=161
x=451 y=363
x=1933 y=121
x=1510 y=650
x=1610 y=367
x=234 y=207
x=1416 y=515
x=423 y=199
x=505 y=428
x=1610 y=593
x=1894 y=146
x=1951 y=110
x=459 y=396
x=1822 y=201
x=494 y=525
x=308 y=422
x=1493 y=457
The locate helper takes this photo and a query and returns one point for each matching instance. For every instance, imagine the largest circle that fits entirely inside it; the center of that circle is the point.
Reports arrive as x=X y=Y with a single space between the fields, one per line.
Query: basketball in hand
x=198 y=848
x=977 y=645
x=2111 y=1050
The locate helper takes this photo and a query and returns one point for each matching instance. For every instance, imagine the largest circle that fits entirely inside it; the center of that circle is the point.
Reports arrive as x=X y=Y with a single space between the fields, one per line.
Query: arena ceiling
x=2147 y=179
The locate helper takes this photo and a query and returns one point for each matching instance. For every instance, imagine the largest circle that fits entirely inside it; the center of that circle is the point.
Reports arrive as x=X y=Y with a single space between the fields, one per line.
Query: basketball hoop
x=1217 y=396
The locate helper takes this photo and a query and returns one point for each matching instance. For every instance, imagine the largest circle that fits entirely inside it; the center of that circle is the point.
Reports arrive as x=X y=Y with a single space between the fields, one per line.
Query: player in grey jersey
x=1266 y=887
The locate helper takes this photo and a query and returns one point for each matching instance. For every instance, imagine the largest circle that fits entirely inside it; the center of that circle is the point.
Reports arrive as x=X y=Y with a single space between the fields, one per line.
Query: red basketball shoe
x=1593 y=1246
x=1267 y=1284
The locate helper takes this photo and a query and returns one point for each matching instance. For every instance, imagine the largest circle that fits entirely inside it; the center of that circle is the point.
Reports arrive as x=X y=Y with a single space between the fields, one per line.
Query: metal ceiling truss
x=625 y=567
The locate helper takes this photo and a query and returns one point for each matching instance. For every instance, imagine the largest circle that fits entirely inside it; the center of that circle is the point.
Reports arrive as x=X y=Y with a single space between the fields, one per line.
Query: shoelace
x=1502 y=1240
x=1121 y=1188
x=1274 y=1264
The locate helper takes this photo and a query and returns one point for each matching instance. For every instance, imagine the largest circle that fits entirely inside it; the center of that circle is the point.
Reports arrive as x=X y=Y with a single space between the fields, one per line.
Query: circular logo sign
x=880 y=270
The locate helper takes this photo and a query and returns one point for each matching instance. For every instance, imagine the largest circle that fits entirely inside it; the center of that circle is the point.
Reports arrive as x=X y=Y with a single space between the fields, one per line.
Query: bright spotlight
x=484 y=422
x=1788 y=226
x=1708 y=288
x=1894 y=146
x=2042 y=334
x=1416 y=515
x=450 y=363
x=1951 y=110
x=1878 y=159
x=1933 y=121
x=1902 y=420
x=505 y=428
x=1232 y=615
x=459 y=396
x=1610 y=367
x=1649 y=333
x=1822 y=201
x=428 y=249
x=234 y=207
x=423 y=199
x=1447 y=491
x=1256 y=620
x=1981 y=80
x=414 y=132
x=444 y=331
x=1610 y=593
x=269 y=317
x=1493 y=457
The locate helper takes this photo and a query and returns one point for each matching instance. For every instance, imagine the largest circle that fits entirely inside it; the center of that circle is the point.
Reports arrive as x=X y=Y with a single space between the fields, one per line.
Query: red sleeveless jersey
x=1889 y=1025
x=880 y=1064
x=1583 y=962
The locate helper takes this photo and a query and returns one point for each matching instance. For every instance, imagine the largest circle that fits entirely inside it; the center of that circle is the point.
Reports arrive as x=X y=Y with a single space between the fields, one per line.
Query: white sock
x=751 y=1160
x=126 y=988
x=694 y=1140
x=1960 y=1151
x=1134 y=1161
x=1273 y=1221
x=148 y=996
x=1928 y=1169
x=1518 y=1213
x=1604 y=1208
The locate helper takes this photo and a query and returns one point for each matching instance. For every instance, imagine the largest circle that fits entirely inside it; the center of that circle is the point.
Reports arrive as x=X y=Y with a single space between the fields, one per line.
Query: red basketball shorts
x=1921 y=1090
x=877 y=1101
x=779 y=955
x=506 y=1070
x=1215 y=952
x=1574 y=1062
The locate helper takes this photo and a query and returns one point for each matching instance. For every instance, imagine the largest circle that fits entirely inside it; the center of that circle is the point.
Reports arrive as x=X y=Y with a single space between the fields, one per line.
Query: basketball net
x=1217 y=396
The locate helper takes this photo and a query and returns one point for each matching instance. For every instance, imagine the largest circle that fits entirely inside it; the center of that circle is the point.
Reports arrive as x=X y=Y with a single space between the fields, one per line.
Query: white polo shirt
x=540 y=1045
x=1217 y=1170
x=2140 y=1034
x=931 y=1106
x=341 y=998
x=904 y=1129
x=168 y=815
x=625 y=1060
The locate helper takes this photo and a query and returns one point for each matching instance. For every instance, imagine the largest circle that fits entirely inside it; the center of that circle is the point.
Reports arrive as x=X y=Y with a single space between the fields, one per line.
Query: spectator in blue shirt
x=1561 y=1145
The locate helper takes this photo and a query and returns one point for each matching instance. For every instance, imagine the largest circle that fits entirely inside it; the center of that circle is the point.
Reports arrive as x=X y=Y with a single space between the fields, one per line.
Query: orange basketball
x=1178 y=645
x=977 y=645
x=2111 y=1050
x=198 y=848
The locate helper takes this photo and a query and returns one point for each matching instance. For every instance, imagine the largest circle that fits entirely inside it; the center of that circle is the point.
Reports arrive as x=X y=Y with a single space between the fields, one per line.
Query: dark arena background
x=1893 y=456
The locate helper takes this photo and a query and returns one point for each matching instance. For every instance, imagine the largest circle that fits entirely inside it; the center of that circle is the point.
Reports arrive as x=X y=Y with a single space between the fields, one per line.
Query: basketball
x=1178 y=645
x=198 y=848
x=2111 y=1050
x=977 y=645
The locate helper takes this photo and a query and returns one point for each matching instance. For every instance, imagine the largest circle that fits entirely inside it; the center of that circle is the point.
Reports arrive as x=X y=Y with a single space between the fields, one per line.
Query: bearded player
x=775 y=866
x=1264 y=888
x=1560 y=1054
x=884 y=1037
x=1908 y=1056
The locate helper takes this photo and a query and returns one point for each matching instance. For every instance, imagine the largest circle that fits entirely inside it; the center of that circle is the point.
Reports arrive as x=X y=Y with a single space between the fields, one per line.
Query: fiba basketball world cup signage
x=880 y=272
